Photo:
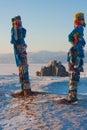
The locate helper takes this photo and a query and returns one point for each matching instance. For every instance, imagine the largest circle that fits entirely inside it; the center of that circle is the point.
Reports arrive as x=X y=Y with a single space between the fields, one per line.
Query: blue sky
x=48 y=23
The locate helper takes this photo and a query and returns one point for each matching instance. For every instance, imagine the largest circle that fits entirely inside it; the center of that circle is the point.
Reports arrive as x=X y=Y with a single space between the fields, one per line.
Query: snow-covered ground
x=41 y=112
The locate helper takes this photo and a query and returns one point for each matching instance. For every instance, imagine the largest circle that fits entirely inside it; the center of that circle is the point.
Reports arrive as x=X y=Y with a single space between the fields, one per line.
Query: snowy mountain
x=46 y=56
x=38 y=57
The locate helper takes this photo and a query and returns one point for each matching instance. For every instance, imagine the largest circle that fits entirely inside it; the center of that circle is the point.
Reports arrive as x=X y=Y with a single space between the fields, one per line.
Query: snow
x=41 y=112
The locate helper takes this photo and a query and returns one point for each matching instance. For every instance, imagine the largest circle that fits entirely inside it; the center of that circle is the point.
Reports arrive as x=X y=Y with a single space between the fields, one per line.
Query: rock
x=38 y=73
x=53 y=69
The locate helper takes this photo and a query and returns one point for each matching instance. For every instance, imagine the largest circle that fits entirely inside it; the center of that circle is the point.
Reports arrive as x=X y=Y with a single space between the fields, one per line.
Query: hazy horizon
x=39 y=57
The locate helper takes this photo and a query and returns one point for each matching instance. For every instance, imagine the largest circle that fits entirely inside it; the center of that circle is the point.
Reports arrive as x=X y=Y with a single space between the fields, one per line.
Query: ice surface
x=41 y=112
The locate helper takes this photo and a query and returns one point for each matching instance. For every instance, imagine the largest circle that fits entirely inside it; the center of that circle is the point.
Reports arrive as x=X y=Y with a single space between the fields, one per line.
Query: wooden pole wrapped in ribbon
x=76 y=55
x=18 y=34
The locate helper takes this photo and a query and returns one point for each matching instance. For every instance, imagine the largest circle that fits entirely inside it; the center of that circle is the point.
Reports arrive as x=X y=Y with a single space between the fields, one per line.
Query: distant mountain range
x=38 y=57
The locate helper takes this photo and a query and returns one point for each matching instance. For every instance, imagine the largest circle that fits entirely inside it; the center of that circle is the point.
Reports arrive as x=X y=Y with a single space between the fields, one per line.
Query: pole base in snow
x=18 y=94
x=66 y=102
x=27 y=93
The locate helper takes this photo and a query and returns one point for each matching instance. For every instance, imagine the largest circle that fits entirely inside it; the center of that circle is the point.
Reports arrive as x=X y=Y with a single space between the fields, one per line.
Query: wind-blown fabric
x=17 y=38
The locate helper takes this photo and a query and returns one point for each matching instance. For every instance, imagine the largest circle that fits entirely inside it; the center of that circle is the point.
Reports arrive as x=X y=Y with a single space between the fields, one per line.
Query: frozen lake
x=40 y=112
